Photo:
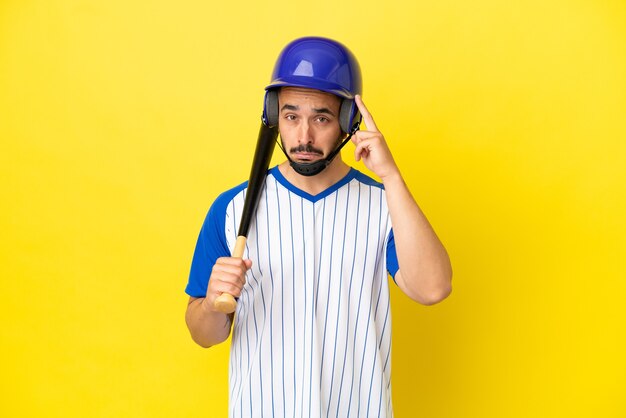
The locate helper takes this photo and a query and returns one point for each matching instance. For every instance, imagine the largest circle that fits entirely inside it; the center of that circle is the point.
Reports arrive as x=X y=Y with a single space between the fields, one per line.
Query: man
x=311 y=334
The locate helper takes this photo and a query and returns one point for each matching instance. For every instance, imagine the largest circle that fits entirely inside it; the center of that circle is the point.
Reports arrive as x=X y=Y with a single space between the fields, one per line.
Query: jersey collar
x=313 y=198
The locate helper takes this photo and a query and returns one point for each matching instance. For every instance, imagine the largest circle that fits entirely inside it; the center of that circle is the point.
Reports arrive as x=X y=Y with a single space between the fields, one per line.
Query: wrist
x=393 y=177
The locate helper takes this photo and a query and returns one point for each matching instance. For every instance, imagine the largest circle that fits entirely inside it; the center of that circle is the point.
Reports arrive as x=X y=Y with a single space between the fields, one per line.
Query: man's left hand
x=372 y=147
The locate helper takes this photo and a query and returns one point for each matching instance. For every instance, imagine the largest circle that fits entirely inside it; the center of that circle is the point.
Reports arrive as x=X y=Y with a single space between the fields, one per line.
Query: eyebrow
x=324 y=110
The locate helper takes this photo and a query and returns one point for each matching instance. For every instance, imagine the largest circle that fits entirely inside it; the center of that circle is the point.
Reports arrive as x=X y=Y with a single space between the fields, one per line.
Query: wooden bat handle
x=226 y=303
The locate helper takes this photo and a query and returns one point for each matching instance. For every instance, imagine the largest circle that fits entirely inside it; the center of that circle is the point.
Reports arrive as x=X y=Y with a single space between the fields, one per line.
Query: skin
x=309 y=128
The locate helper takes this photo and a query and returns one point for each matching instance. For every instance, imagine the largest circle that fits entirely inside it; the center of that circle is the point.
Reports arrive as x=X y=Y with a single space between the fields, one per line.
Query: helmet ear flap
x=349 y=117
x=270 y=108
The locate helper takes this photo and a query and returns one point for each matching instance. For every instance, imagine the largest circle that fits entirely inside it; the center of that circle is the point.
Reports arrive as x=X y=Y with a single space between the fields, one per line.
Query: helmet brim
x=311 y=83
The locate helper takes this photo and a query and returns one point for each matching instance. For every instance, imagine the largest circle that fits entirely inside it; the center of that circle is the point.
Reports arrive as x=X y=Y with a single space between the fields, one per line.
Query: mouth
x=306 y=156
x=306 y=153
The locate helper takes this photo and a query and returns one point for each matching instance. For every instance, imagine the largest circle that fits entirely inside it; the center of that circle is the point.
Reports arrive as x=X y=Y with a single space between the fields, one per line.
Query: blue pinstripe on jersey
x=330 y=263
x=369 y=316
x=282 y=295
x=345 y=353
x=315 y=299
x=271 y=313
x=293 y=301
x=306 y=299
x=356 y=328
x=330 y=388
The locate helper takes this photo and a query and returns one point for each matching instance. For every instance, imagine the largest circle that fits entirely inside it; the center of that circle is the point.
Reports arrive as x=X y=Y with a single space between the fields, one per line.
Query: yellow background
x=120 y=121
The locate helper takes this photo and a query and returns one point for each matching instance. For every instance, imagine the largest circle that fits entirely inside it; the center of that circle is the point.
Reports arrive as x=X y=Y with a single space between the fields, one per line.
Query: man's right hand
x=207 y=325
x=228 y=276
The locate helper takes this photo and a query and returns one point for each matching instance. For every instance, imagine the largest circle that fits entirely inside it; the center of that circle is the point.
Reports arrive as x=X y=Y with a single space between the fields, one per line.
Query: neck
x=318 y=183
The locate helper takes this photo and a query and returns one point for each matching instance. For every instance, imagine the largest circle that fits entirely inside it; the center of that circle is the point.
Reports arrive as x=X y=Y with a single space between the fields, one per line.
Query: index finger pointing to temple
x=367 y=116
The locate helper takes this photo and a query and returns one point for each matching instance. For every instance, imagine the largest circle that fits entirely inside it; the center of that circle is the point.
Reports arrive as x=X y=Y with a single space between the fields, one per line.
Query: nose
x=305 y=135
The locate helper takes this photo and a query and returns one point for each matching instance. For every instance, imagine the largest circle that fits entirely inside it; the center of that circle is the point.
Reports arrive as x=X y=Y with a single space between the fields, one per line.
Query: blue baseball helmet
x=320 y=64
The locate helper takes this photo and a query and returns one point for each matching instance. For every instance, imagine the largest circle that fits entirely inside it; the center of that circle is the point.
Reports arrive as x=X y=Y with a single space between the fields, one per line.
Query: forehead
x=292 y=95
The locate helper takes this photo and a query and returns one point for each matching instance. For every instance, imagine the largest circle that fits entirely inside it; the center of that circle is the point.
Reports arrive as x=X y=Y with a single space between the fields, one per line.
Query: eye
x=290 y=117
x=322 y=119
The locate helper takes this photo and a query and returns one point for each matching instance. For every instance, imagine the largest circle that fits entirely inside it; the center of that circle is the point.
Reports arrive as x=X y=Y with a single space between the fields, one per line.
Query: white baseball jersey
x=312 y=330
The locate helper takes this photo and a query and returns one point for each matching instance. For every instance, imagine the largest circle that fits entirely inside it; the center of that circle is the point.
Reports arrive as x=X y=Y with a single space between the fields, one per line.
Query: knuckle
x=233 y=289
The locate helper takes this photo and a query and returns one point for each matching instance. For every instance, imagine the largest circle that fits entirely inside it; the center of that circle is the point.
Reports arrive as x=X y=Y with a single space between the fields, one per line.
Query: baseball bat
x=226 y=303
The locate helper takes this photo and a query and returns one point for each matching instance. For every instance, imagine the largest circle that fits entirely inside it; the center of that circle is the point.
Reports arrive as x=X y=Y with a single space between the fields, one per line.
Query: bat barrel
x=262 y=155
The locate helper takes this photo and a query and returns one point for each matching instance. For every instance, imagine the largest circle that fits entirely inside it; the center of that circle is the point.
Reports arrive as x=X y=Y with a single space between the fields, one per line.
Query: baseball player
x=311 y=334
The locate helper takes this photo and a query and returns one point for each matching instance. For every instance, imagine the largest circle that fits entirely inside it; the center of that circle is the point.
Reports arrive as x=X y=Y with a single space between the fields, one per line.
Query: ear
x=270 y=108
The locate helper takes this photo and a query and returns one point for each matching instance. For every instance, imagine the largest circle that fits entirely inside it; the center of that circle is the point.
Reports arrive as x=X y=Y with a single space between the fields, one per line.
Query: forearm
x=206 y=326
x=425 y=271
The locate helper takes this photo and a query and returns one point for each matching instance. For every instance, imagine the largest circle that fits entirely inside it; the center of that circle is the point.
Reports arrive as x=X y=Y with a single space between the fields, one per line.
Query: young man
x=312 y=330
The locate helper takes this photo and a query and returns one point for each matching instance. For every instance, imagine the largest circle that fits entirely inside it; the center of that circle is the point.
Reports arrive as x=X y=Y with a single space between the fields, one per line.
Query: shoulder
x=222 y=201
x=365 y=179
x=217 y=212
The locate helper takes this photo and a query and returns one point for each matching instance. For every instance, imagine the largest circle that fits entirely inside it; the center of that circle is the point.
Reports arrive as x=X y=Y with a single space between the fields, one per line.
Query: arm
x=425 y=272
x=207 y=326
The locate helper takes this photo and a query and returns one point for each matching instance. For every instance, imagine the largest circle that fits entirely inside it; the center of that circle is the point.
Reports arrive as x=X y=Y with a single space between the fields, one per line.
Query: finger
x=227 y=274
x=361 y=150
x=366 y=135
x=233 y=265
x=232 y=261
x=220 y=286
x=221 y=278
x=226 y=270
x=367 y=116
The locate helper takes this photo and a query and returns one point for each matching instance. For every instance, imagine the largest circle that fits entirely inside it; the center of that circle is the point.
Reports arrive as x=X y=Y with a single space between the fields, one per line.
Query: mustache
x=306 y=148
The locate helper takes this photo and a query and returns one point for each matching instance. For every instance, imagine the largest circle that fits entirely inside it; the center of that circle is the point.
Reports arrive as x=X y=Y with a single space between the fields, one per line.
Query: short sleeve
x=211 y=245
x=392 y=257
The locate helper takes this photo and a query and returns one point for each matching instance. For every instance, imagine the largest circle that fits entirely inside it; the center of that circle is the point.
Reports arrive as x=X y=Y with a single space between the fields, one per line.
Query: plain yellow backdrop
x=120 y=122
